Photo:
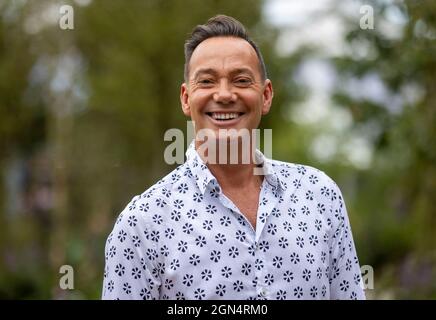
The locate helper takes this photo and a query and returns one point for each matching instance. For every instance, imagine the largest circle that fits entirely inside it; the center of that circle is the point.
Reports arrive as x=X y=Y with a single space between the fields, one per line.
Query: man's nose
x=224 y=93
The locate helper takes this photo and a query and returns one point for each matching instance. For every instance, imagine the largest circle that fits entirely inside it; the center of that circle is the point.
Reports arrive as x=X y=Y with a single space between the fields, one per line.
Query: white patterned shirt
x=184 y=239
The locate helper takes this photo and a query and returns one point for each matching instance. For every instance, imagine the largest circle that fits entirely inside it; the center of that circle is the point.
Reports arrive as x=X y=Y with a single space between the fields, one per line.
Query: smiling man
x=221 y=230
x=226 y=88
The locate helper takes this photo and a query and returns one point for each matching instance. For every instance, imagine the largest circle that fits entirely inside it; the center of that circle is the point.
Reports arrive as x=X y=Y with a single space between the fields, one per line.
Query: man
x=217 y=229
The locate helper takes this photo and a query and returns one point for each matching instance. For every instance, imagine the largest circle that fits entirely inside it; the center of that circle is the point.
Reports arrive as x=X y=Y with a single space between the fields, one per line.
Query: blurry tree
x=100 y=98
x=395 y=196
x=83 y=113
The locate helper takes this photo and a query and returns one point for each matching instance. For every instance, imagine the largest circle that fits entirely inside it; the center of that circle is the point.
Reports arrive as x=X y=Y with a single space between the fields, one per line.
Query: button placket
x=260 y=274
x=267 y=208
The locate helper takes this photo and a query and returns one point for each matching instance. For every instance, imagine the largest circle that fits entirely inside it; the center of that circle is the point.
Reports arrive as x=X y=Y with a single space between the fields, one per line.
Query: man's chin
x=223 y=134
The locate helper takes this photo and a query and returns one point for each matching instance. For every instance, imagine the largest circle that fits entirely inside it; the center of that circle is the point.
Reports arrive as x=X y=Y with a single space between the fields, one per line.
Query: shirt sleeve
x=344 y=270
x=130 y=270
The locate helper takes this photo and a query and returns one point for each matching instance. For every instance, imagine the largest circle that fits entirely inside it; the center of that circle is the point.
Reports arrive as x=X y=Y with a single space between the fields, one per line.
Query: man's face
x=225 y=89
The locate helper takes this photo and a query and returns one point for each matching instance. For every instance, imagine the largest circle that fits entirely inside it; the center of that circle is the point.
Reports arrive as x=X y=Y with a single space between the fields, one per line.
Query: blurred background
x=83 y=114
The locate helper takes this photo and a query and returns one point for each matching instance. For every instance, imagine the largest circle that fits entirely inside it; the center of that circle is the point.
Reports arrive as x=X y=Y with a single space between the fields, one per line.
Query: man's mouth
x=224 y=116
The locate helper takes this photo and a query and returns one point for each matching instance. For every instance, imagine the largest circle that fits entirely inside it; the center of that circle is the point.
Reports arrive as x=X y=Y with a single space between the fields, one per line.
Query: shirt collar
x=205 y=179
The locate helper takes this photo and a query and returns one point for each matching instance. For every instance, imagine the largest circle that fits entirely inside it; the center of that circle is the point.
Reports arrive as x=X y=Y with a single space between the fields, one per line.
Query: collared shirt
x=184 y=239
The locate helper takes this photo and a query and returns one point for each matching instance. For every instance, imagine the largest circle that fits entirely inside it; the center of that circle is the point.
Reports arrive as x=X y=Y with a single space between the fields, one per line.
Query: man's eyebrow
x=204 y=71
x=243 y=70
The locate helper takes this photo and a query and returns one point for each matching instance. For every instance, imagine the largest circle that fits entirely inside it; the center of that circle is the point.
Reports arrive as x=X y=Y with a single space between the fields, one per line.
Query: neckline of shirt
x=205 y=179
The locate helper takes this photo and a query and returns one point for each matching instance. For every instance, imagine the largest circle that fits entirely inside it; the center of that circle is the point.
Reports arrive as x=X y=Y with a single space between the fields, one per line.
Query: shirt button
x=263 y=292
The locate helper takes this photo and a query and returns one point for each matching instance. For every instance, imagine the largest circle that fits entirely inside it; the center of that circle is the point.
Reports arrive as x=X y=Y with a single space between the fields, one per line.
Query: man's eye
x=243 y=81
x=205 y=81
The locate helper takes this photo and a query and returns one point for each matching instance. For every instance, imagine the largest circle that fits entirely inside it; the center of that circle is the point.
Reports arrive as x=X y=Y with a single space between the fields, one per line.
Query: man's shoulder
x=163 y=189
x=168 y=183
x=154 y=199
x=292 y=171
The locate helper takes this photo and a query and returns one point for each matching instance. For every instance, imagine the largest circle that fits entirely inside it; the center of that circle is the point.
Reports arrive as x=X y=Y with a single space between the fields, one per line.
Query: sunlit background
x=83 y=113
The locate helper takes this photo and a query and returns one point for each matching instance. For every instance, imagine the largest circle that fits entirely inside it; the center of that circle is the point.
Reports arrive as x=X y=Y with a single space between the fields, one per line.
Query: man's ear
x=268 y=94
x=184 y=99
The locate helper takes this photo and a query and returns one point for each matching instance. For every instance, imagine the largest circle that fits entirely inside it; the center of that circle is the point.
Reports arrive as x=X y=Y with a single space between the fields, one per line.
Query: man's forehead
x=234 y=52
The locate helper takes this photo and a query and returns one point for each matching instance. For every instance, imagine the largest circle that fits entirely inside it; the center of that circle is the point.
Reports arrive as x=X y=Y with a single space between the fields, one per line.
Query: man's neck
x=234 y=176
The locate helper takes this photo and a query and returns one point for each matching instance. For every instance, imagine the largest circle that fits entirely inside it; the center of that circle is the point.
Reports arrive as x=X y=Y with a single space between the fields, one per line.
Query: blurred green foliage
x=83 y=113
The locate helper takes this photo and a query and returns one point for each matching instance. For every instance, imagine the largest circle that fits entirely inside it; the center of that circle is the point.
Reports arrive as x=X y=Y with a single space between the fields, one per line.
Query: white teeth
x=224 y=116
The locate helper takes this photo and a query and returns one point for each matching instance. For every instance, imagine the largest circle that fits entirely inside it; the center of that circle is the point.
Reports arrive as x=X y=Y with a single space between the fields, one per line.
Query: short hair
x=219 y=26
